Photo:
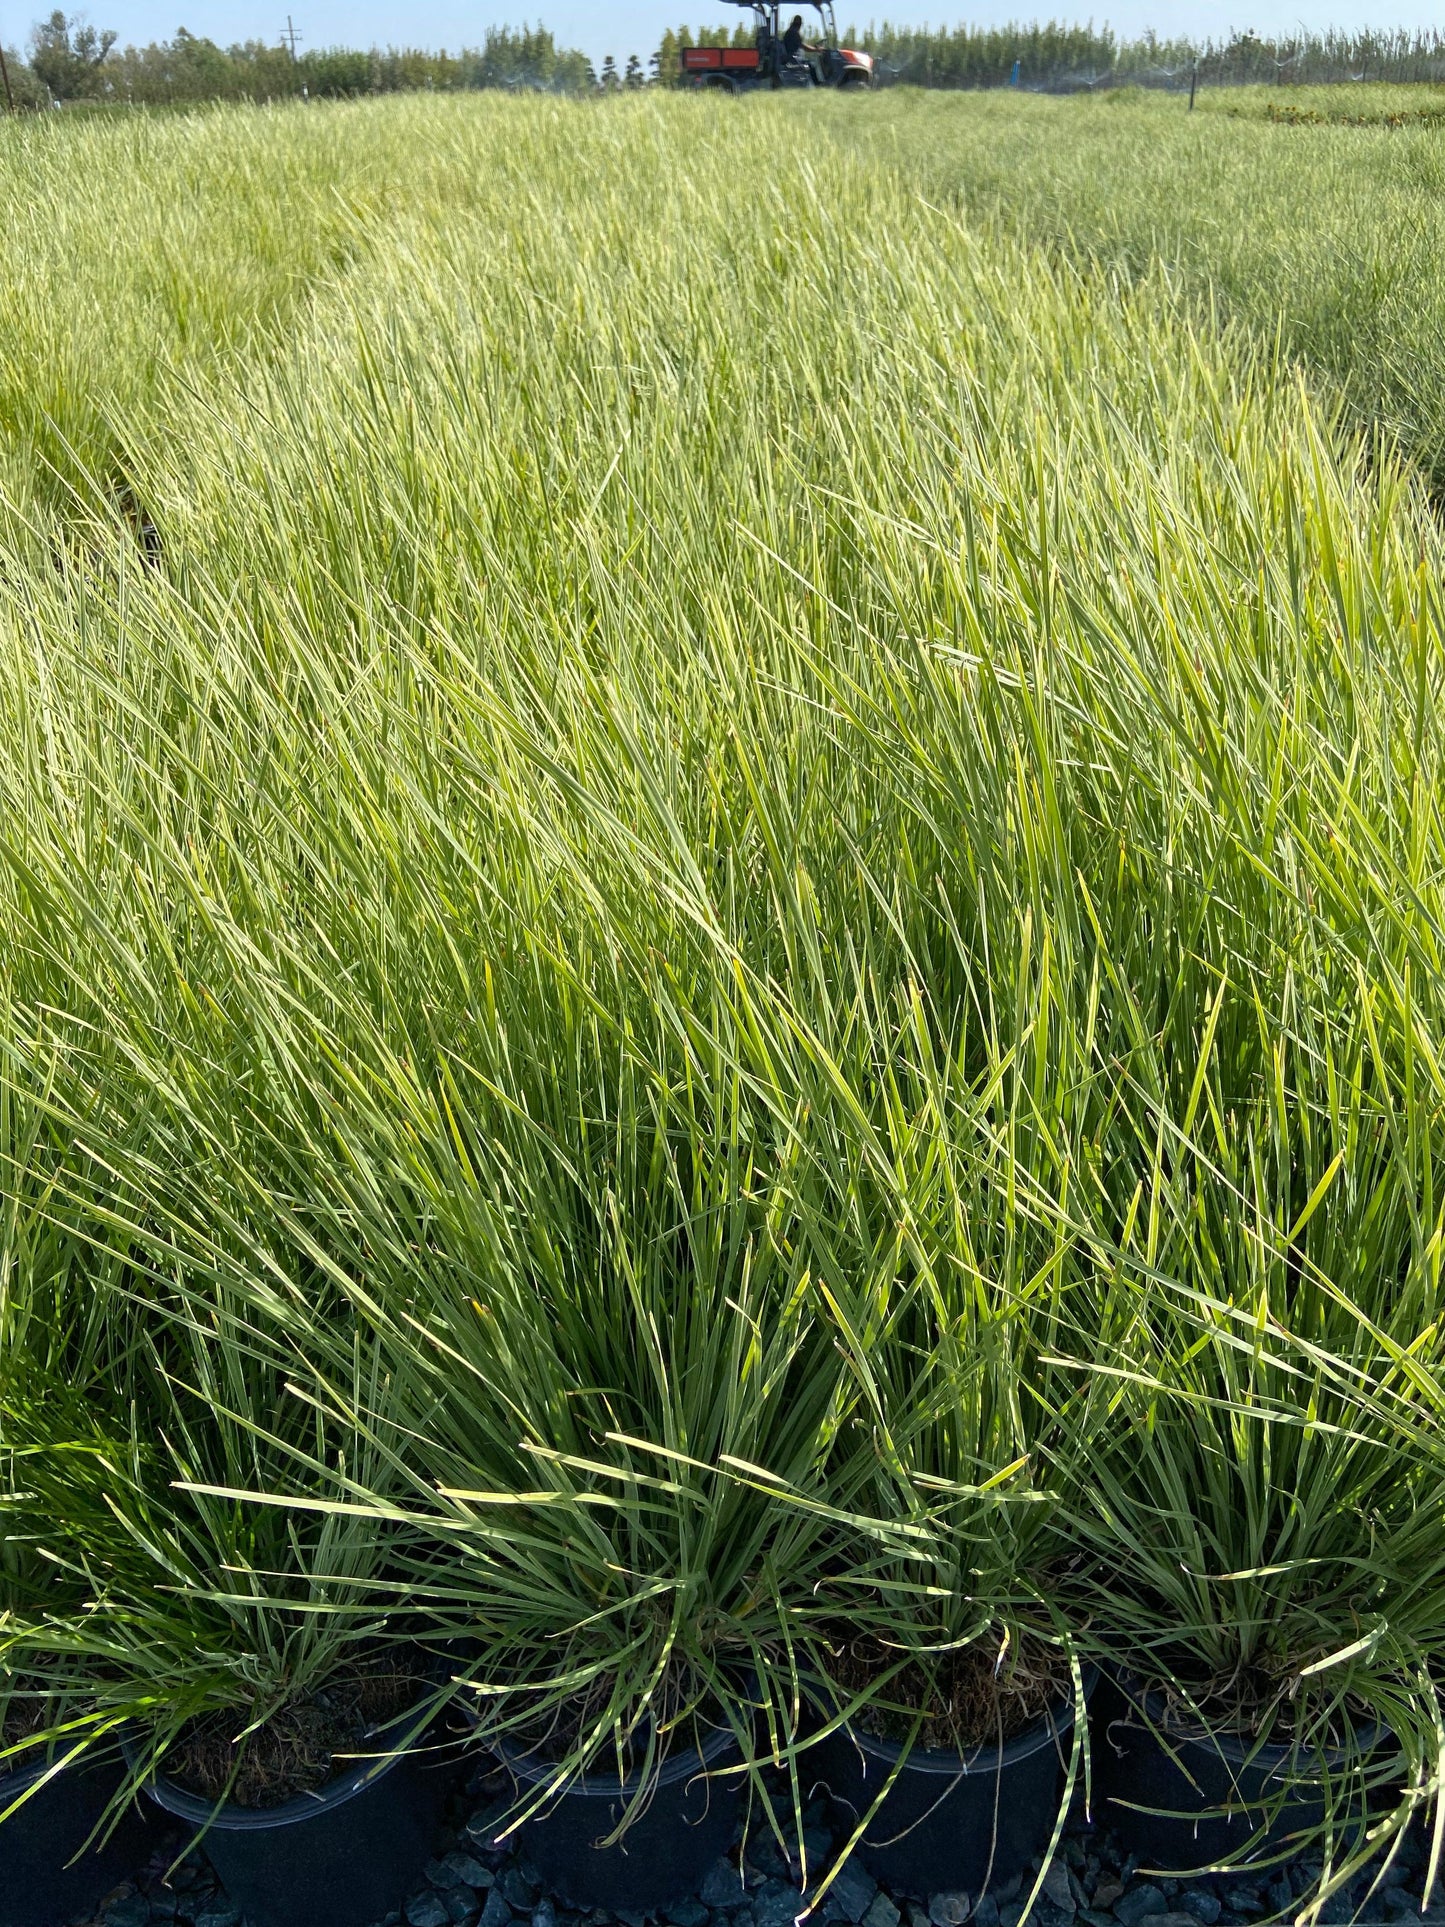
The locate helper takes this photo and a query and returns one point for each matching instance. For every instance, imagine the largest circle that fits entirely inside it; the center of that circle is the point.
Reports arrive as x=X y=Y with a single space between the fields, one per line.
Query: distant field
x=1329 y=238
x=1377 y=104
x=722 y=917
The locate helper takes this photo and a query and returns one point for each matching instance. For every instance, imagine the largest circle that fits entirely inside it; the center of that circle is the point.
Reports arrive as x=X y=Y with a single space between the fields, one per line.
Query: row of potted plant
x=274 y=1616
x=927 y=1808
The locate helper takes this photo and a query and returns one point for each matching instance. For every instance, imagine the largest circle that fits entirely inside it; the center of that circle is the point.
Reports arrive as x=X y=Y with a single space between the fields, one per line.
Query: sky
x=614 y=26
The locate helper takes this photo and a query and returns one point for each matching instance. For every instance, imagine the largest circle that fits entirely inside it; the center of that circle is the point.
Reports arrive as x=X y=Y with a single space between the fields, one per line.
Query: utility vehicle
x=767 y=63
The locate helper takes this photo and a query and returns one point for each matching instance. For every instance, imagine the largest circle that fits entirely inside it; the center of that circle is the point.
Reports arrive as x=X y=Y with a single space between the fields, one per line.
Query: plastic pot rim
x=17 y=1779
x=594 y=1785
x=1046 y=1730
x=1227 y=1742
x=225 y=1817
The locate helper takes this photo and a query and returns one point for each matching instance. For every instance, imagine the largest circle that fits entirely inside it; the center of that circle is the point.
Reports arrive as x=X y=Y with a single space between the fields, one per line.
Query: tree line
x=72 y=62
x=69 y=62
x=1058 y=56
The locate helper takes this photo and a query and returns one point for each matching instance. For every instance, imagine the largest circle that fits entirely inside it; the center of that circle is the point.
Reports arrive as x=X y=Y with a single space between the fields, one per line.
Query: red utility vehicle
x=767 y=63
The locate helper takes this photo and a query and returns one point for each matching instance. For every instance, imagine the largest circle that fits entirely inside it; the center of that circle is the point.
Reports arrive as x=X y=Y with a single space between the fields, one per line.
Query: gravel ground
x=475 y=1883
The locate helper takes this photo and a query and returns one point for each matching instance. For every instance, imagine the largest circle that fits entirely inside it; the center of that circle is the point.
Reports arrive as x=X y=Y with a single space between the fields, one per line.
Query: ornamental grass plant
x=729 y=930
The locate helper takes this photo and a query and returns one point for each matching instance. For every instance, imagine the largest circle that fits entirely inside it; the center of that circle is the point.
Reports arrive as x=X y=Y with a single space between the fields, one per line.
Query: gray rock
x=686 y=1913
x=740 y=1916
x=1107 y=1891
x=852 y=1892
x=544 y=1914
x=949 y=1909
x=1096 y=1917
x=767 y=1854
x=1204 y=1905
x=427 y=1909
x=496 y=1913
x=1046 y=1914
x=519 y=1892
x=1011 y=1913
x=722 y=1886
x=1059 y=1887
x=462 y=1905
x=1170 y=1920
x=162 y=1903
x=985 y=1914
x=1279 y=1893
x=131 y=1910
x=465 y=1870
x=777 y=1905
x=817 y=1844
x=881 y=1912
x=1243 y=1897
x=1138 y=1903
x=916 y=1916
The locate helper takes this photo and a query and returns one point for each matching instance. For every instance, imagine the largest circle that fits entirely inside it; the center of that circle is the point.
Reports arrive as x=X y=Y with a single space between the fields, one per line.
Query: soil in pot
x=682 y=1812
x=51 y=1868
x=978 y=1794
x=301 y=1747
x=327 y=1827
x=1190 y=1786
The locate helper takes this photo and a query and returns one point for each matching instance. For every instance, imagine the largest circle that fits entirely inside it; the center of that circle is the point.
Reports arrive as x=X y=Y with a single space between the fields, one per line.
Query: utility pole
x=1193 y=83
x=290 y=37
x=5 y=72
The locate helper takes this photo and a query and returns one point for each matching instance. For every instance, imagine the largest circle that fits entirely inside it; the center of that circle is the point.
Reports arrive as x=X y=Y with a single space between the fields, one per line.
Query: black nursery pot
x=688 y=1817
x=969 y=1822
x=340 y=1857
x=1182 y=1801
x=38 y=1886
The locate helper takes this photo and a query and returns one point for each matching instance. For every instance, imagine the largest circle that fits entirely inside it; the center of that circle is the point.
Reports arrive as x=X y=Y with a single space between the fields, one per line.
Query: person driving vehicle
x=794 y=45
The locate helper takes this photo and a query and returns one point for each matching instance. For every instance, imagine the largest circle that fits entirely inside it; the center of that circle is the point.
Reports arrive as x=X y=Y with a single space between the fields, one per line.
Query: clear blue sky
x=612 y=26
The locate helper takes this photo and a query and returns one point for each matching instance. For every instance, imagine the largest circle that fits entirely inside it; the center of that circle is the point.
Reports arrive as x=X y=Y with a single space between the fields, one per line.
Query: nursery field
x=1310 y=214
x=722 y=951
